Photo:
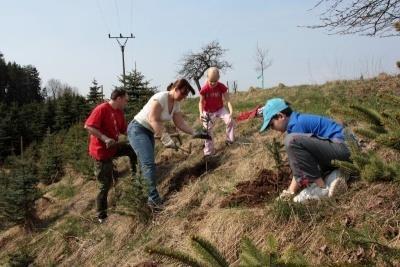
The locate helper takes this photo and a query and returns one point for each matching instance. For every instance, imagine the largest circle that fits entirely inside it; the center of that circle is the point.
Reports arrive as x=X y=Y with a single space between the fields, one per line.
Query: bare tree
x=263 y=62
x=193 y=65
x=364 y=17
x=56 y=88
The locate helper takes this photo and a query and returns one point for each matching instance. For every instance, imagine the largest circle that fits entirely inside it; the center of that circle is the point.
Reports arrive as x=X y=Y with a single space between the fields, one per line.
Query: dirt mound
x=252 y=193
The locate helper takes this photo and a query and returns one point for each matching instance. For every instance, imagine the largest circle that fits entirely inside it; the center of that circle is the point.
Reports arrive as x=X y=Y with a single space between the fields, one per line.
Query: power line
x=102 y=16
x=131 y=18
x=118 y=17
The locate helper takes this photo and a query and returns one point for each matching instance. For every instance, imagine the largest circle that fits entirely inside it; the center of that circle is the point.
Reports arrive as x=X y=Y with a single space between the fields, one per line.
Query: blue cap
x=272 y=107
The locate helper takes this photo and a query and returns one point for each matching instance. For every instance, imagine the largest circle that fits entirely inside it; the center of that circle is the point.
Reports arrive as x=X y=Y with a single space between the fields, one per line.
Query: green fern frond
x=391 y=140
x=368 y=114
x=208 y=252
x=251 y=256
x=378 y=129
x=272 y=244
x=292 y=257
x=366 y=133
x=177 y=256
x=377 y=170
x=390 y=98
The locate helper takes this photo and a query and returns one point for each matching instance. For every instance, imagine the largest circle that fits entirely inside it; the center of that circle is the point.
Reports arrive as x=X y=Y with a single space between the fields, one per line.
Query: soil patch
x=253 y=193
x=185 y=175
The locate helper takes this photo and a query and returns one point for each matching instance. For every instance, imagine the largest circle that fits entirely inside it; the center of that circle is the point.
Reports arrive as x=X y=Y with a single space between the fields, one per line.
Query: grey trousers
x=310 y=157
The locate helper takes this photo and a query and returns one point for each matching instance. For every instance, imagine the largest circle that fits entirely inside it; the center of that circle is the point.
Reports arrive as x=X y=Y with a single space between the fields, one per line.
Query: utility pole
x=122 y=45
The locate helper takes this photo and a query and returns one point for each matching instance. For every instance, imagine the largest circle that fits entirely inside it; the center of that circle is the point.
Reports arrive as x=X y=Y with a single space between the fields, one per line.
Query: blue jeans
x=142 y=141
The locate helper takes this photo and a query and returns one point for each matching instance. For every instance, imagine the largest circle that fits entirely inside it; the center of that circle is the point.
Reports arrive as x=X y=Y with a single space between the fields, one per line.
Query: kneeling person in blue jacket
x=311 y=143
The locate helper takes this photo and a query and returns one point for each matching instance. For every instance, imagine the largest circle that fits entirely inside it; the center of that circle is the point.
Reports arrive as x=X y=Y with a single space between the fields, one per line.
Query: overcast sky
x=68 y=40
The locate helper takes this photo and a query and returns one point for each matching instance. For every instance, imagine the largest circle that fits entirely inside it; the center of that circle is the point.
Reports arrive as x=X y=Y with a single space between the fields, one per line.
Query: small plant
x=64 y=191
x=50 y=167
x=20 y=258
x=275 y=150
x=73 y=227
x=369 y=166
x=19 y=192
x=285 y=210
x=384 y=127
x=206 y=254
x=134 y=198
x=75 y=151
x=252 y=256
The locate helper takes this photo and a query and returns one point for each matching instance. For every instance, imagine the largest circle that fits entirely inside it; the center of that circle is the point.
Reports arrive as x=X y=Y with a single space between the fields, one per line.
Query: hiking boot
x=286 y=195
x=312 y=192
x=101 y=218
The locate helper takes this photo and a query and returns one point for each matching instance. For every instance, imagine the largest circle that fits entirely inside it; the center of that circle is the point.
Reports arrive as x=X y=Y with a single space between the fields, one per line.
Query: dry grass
x=322 y=231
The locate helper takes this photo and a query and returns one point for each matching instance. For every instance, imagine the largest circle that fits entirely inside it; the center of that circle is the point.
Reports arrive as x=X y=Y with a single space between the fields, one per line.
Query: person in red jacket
x=106 y=125
x=211 y=106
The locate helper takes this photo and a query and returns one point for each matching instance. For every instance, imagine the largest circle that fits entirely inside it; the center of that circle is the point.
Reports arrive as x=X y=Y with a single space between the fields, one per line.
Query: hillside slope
x=360 y=227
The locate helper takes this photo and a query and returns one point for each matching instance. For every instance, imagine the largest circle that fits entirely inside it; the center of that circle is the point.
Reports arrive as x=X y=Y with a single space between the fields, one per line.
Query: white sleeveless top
x=162 y=97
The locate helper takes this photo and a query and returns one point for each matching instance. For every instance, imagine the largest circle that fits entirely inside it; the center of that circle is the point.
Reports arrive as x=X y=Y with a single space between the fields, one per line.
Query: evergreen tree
x=19 y=193
x=368 y=165
x=95 y=95
x=50 y=166
x=139 y=91
x=70 y=109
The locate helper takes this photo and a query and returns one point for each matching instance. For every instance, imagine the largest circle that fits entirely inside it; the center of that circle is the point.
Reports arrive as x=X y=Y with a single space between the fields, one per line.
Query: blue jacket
x=319 y=126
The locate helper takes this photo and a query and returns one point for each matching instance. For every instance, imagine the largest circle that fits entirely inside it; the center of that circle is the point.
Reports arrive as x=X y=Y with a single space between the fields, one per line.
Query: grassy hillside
x=360 y=227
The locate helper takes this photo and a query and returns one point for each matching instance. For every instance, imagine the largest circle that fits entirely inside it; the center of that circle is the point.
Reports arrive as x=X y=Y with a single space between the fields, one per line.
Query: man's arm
x=105 y=139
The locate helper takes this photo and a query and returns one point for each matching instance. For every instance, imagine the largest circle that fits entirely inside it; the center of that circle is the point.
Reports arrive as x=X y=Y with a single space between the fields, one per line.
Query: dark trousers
x=310 y=157
x=104 y=175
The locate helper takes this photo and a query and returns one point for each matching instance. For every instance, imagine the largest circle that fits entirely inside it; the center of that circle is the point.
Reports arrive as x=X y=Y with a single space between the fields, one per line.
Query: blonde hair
x=213 y=74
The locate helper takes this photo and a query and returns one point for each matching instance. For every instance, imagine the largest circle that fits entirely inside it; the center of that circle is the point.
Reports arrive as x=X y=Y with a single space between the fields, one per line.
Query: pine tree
x=19 y=193
x=134 y=198
x=95 y=95
x=368 y=165
x=50 y=167
x=207 y=254
x=139 y=91
x=275 y=150
x=384 y=127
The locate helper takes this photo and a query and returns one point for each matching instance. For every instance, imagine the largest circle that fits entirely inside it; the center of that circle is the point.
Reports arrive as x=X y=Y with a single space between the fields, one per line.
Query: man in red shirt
x=211 y=106
x=106 y=125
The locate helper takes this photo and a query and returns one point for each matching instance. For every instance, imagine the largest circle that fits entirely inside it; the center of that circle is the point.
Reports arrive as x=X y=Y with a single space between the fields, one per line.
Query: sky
x=68 y=40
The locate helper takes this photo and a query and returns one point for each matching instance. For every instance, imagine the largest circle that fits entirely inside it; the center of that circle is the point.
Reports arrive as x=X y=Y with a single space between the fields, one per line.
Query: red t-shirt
x=110 y=122
x=212 y=96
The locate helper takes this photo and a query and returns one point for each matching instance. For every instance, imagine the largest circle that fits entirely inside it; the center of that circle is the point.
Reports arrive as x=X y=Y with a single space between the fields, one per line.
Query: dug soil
x=253 y=193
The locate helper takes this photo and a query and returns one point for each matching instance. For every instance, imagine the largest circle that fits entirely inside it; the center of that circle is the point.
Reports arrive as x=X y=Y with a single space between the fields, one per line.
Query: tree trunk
x=196 y=80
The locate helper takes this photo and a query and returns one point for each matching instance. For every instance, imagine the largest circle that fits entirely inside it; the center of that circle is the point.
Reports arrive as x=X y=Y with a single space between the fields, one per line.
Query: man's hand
x=201 y=134
x=109 y=142
x=167 y=141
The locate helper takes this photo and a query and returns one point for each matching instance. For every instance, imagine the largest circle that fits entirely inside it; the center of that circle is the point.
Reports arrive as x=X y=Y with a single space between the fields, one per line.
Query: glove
x=201 y=135
x=167 y=141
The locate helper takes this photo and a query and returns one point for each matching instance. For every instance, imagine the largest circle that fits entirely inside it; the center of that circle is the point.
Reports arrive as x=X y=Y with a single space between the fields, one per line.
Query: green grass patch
x=74 y=227
x=64 y=191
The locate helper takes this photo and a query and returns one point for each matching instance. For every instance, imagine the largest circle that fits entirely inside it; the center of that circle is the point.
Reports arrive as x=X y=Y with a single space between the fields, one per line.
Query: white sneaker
x=336 y=183
x=312 y=192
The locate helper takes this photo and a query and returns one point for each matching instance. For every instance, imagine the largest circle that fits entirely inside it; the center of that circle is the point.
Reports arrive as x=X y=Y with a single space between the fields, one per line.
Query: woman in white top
x=162 y=106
